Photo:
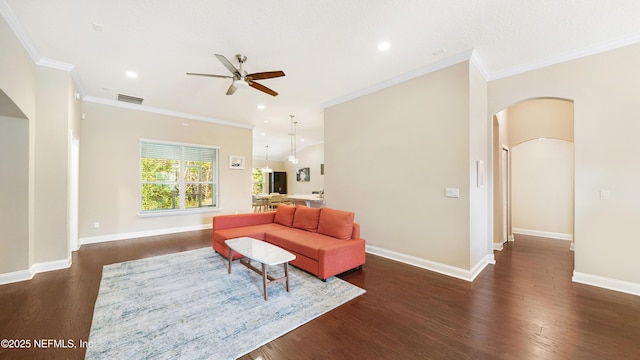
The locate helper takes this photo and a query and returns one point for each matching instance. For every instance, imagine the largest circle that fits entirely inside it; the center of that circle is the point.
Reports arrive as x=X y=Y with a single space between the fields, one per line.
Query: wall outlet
x=96 y=225
x=605 y=194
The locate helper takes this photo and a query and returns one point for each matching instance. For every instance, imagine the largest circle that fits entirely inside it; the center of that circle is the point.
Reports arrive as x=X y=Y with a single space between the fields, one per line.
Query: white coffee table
x=265 y=254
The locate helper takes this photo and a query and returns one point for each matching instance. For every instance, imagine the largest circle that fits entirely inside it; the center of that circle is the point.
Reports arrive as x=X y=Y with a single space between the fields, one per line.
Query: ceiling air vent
x=130 y=99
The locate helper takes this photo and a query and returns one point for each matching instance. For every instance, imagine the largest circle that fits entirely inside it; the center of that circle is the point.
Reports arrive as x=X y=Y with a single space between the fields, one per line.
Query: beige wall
x=109 y=169
x=46 y=97
x=52 y=165
x=17 y=82
x=14 y=191
x=500 y=123
x=479 y=170
x=542 y=188
x=540 y=118
x=390 y=155
x=540 y=134
x=311 y=157
x=604 y=88
x=273 y=165
x=16 y=64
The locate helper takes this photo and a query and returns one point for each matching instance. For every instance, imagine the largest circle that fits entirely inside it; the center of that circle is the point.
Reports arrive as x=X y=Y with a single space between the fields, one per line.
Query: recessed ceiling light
x=384 y=46
x=301 y=140
x=261 y=107
x=131 y=74
x=263 y=134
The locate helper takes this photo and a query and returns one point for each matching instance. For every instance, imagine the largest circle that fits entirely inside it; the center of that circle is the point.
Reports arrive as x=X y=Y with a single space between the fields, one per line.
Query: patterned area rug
x=185 y=305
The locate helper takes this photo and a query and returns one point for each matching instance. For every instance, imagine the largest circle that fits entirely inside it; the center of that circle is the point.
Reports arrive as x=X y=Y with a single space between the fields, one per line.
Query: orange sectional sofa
x=326 y=241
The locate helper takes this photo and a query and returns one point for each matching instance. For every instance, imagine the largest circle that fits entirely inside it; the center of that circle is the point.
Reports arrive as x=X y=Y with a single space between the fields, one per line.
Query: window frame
x=182 y=183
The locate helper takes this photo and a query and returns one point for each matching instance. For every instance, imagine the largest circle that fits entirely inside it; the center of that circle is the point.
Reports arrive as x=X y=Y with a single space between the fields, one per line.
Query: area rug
x=186 y=305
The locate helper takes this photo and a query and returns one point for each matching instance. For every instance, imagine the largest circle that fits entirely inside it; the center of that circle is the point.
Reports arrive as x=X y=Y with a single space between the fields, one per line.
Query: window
x=177 y=177
x=257 y=183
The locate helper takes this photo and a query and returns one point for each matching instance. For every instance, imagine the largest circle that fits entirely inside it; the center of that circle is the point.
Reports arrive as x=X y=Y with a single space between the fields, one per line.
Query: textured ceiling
x=328 y=48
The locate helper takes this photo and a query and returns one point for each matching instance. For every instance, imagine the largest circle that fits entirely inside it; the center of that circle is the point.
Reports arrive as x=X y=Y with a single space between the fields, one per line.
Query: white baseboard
x=23 y=275
x=456 y=272
x=137 y=234
x=498 y=246
x=546 y=234
x=607 y=283
x=15 y=276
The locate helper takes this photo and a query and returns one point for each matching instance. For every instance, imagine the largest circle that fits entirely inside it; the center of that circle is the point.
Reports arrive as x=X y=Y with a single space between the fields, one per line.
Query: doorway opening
x=534 y=171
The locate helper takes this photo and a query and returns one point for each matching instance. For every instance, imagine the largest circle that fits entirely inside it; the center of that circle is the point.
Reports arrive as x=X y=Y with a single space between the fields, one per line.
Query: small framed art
x=236 y=162
x=303 y=174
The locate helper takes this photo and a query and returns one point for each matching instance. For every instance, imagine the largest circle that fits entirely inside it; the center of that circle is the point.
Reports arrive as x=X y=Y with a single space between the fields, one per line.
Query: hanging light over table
x=293 y=156
x=266 y=168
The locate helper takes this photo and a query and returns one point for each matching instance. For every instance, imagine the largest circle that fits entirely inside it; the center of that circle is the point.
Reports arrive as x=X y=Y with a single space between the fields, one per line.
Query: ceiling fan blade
x=228 y=65
x=262 y=88
x=231 y=89
x=265 y=75
x=212 y=75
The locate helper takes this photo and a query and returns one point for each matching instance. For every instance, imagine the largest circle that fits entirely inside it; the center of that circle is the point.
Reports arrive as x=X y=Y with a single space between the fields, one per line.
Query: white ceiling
x=327 y=48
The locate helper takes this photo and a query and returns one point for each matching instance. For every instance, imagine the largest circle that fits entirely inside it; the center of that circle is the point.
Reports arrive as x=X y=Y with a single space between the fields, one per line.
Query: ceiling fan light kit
x=242 y=84
x=241 y=79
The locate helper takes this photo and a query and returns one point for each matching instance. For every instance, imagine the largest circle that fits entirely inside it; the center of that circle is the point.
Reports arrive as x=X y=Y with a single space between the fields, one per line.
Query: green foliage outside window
x=257 y=181
x=166 y=180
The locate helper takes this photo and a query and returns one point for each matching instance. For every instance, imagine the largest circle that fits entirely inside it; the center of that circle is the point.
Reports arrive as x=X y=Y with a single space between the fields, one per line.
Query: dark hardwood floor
x=524 y=307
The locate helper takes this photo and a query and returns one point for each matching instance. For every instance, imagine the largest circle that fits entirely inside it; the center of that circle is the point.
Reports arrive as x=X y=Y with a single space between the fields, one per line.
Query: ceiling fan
x=240 y=77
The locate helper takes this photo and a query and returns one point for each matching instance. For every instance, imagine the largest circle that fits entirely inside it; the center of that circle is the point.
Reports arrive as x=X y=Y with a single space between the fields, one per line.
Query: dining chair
x=275 y=199
x=259 y=203
x=285 y=200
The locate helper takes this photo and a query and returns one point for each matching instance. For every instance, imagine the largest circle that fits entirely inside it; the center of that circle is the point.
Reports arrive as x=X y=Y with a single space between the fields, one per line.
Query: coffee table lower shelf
x=265 y=254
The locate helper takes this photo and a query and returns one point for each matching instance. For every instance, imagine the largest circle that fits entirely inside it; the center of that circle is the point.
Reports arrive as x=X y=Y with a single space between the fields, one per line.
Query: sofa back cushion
x=306 y=218
x=284 y=215
x=336 y=223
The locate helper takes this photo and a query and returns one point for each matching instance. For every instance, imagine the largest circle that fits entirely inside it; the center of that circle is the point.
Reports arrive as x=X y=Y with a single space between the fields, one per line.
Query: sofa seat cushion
x=253 y=231
x=301 y=242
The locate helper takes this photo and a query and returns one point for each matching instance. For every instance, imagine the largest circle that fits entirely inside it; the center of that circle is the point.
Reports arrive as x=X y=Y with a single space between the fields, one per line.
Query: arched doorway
x=533 y=190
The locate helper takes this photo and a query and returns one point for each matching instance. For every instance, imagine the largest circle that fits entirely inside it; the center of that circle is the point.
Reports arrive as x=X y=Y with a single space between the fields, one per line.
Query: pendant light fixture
x=266 y=168
x=293 y=157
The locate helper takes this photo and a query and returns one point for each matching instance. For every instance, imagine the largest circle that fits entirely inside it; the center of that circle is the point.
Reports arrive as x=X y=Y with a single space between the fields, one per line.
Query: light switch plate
x=452 y=192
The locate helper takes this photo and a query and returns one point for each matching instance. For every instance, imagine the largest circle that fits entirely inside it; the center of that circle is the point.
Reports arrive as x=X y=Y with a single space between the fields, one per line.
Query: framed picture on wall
x=236 y=162
x=302 y=174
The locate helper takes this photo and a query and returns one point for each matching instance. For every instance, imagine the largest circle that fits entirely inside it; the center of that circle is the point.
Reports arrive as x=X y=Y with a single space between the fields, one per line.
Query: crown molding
x=442 y=64
x=18 y=30
x=55 y=64
x=477 y=61
x=150 y=109
x=70 y=68
x=567 y=56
